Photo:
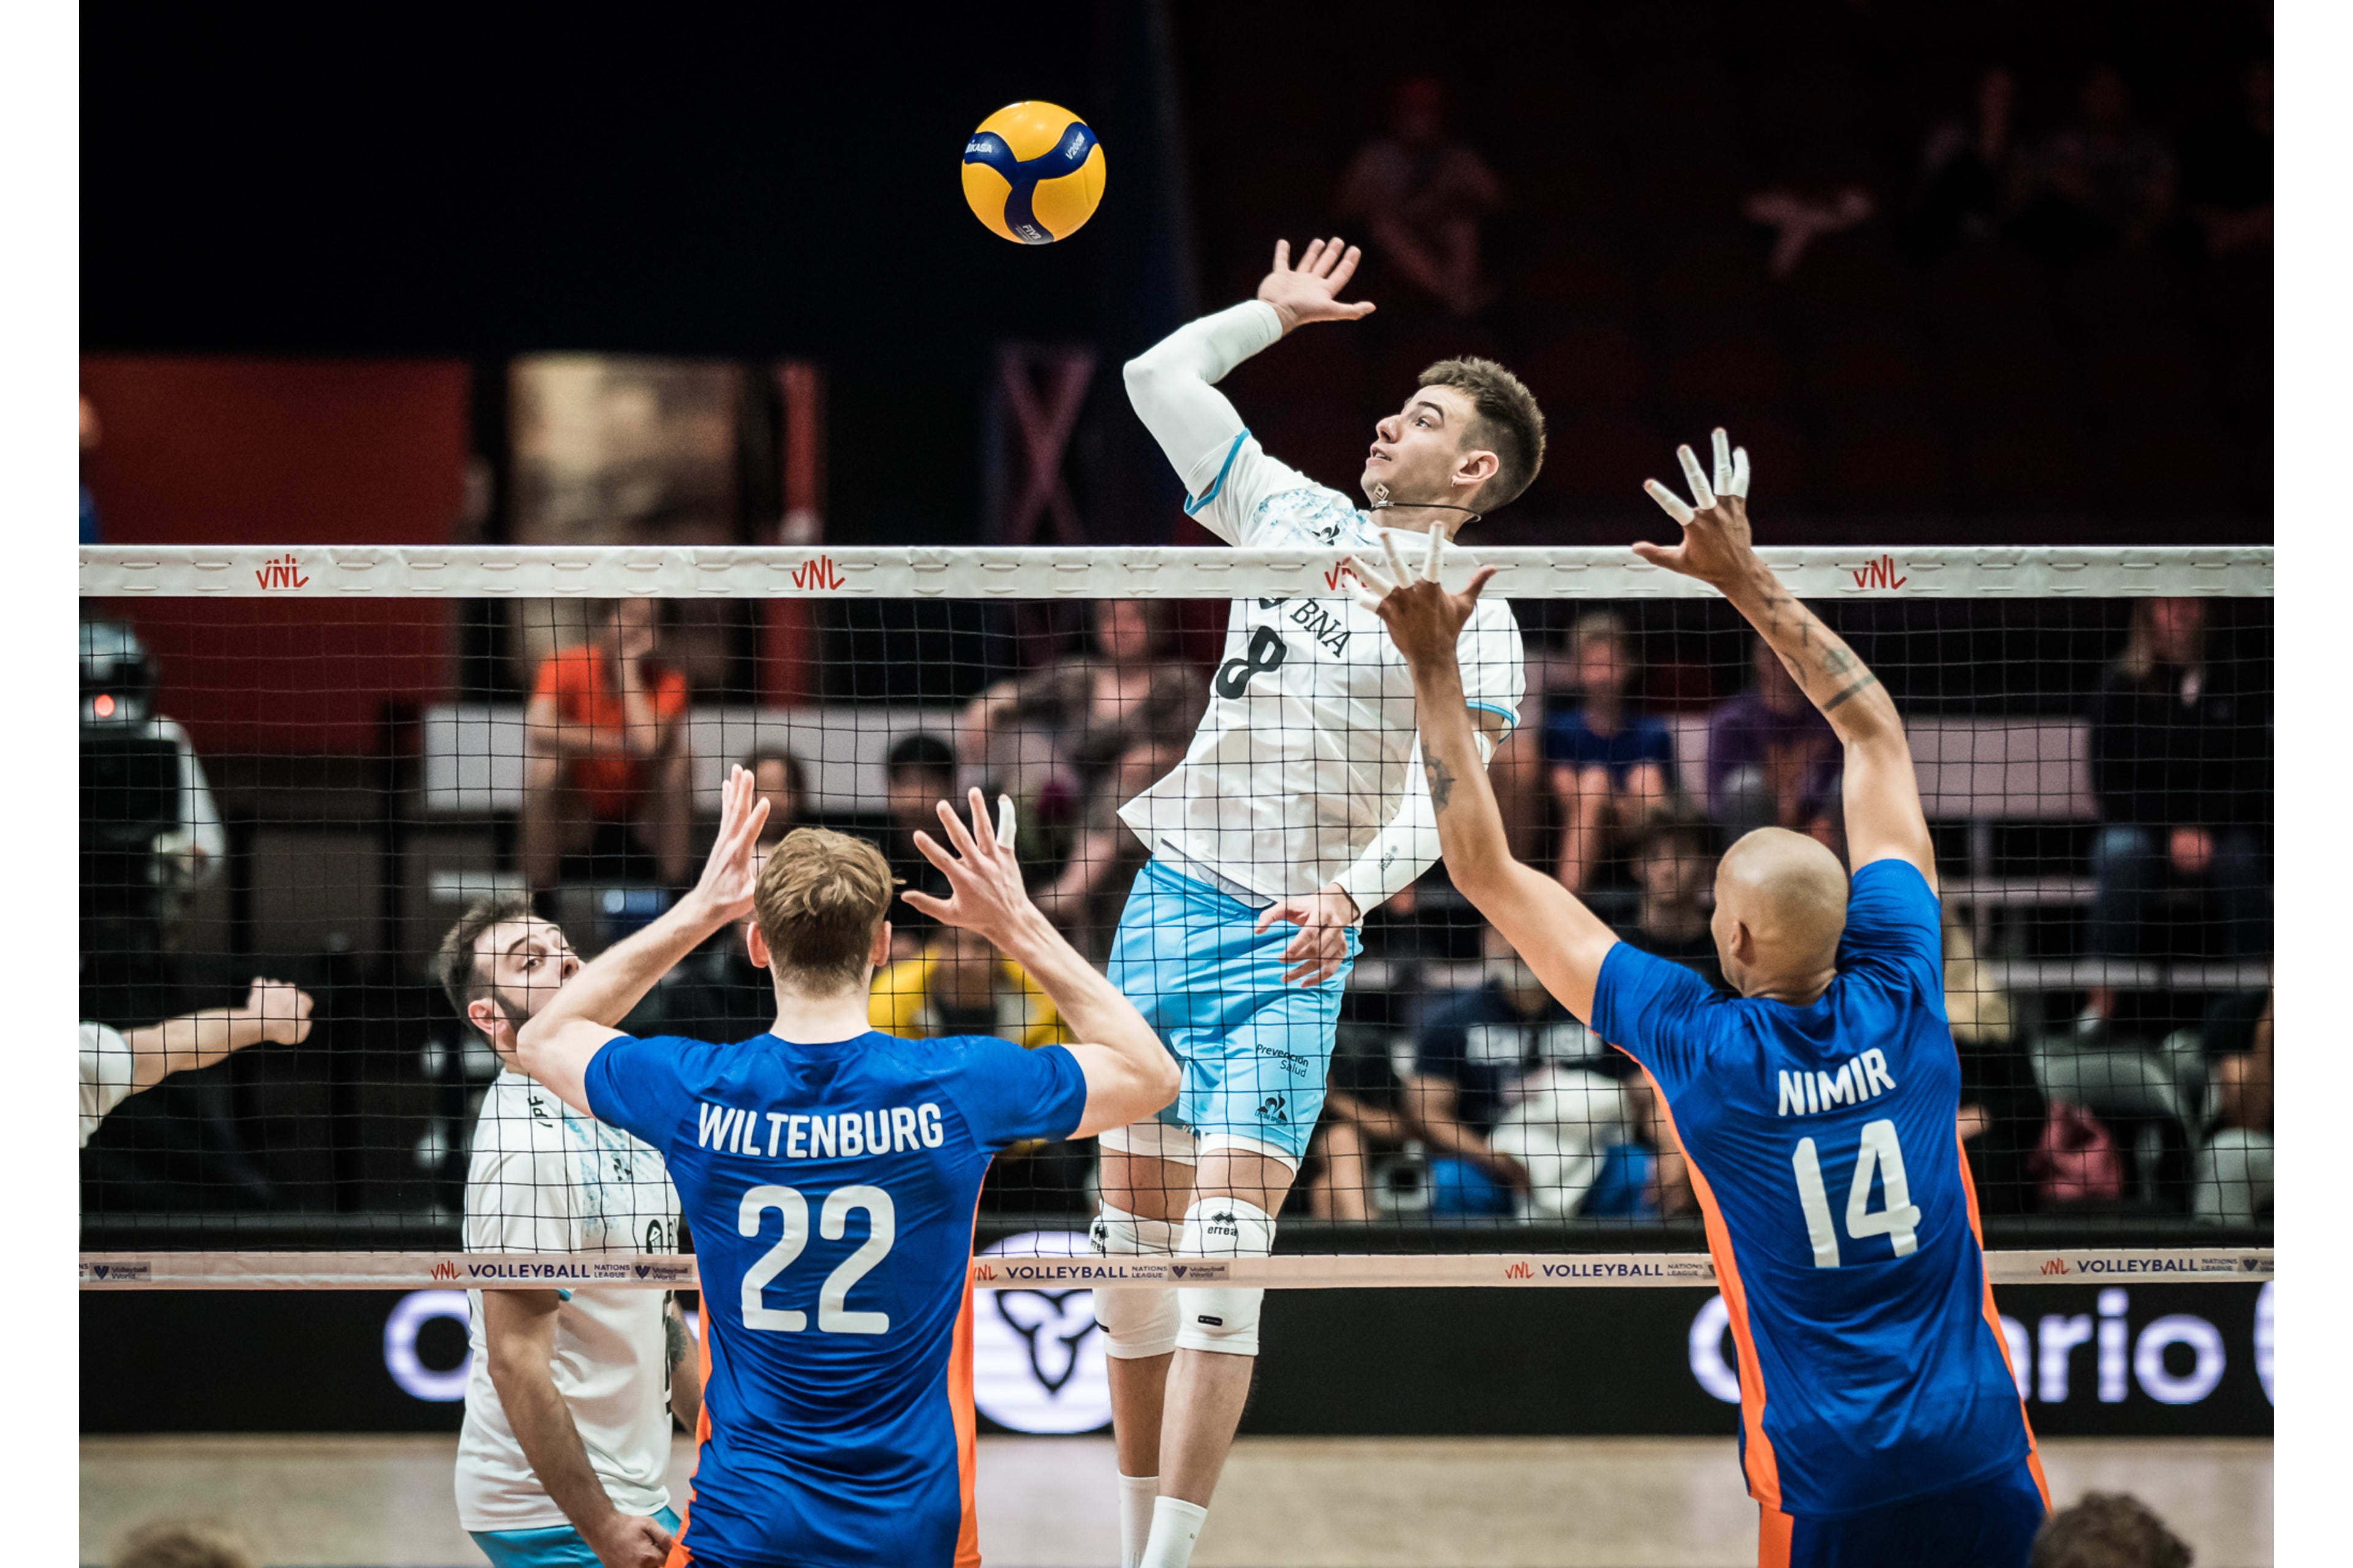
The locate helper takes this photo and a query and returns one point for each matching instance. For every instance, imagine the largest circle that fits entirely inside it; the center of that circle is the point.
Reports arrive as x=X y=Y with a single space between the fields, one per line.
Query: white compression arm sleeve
x=1172 y=384
x=1408 y=847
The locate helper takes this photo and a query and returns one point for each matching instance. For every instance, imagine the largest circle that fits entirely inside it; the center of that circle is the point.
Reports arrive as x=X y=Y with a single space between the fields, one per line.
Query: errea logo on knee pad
x=1222 y=1223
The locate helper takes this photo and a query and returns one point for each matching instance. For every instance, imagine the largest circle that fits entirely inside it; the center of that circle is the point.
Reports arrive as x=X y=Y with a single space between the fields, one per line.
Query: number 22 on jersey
x=833 y=1313
x=1880 y=1159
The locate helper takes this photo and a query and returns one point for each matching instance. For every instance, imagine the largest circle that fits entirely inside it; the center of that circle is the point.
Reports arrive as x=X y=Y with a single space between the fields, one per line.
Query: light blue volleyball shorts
x=1254 y=1051
x=559 y=1546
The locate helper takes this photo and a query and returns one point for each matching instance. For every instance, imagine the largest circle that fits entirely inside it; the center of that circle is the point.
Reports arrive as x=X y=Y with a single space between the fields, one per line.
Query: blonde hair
x=820 y=899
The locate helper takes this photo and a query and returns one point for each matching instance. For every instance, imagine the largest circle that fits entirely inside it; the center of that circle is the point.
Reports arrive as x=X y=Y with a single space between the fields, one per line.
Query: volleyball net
x=306 y=765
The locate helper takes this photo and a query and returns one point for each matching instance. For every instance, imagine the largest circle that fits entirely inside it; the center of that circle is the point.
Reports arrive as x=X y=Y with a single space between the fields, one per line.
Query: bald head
x=1780 y=907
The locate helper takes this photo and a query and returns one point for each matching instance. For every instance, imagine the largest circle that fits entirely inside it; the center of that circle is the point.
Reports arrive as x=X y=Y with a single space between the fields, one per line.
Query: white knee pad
x=1223 y=1319
x=1137 y=1321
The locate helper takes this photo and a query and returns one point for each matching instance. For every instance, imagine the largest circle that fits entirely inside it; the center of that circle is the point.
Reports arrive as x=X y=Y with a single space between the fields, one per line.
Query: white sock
x=1137 y=1494
x=1176 y=1525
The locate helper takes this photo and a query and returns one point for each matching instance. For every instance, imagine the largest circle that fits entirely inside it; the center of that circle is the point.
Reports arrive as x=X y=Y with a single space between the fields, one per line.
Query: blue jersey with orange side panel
x=1824 y=1154
x=831 y=1191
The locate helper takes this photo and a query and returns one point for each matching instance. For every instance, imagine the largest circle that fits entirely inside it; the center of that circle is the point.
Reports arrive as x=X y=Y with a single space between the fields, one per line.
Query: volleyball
x=1033 y=173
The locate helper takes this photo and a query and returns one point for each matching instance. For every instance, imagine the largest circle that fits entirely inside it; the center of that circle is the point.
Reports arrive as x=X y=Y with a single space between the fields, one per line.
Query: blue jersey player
x=1880 y=1420
x=830 y=1175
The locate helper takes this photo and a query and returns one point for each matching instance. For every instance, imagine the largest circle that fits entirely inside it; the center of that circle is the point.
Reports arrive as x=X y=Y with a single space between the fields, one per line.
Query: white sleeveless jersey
x=1309 y=745
x=544 y=1178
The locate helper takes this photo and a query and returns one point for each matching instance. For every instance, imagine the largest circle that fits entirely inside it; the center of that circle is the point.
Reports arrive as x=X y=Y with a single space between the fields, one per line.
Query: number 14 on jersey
x=1879 y=1158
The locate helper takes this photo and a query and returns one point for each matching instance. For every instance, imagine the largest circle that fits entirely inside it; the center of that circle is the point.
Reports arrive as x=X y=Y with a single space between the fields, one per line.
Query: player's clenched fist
x=632 y=1540
x=282 y=1010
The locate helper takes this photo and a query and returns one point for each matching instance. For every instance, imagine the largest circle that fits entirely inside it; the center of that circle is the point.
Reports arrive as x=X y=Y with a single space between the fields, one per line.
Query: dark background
x=750 y=185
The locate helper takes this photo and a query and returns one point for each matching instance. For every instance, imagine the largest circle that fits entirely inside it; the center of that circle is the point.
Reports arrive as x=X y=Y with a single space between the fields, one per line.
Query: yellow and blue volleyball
x=1033 y=173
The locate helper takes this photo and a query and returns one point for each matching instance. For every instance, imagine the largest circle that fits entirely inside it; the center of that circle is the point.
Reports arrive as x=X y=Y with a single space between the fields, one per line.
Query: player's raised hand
x=732 y=872
x=1310 y=291
x=1716 y=547
x=985 y=891
x=1424 y=620
x=282 y=1010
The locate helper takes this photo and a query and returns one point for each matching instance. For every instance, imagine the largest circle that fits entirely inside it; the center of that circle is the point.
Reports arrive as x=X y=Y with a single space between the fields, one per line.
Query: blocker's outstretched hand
x=1716 y=547
x=1309 y=291
x=1424 y=620
x=733 y=870
x=985 y=891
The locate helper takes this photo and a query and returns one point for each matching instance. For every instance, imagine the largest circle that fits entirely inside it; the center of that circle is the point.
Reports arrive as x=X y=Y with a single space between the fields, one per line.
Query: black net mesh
x=313 y=794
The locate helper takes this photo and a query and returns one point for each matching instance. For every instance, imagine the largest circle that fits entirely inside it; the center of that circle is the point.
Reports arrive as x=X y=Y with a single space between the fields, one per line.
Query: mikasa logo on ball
x=1033 y=173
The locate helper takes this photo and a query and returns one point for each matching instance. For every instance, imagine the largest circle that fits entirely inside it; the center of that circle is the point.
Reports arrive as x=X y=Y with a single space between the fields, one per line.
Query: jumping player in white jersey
x=1301 y=801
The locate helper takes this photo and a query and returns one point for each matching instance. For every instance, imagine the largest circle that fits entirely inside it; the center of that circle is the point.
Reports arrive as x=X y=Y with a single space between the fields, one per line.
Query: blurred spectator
x=1422 y=196
x=1510 y=1045
x=2229 y=172
x=186 y=1544
x=959 y=984
x=2181 y=766
x=2101 y=182
x=90 y=439
x=1086 y=898
x=1364 y=1117
x=150 y=836
x=919 y=773
x=776 y=774
x=2107 y=1530
x=1772 y=760
x=1049 y=738
x=1968 y=169
x=606 y=750
x=1611 y=768
x=1799 y=217
x=118 y=693
x=2001 y=1118
x=2233 y=1184
x=1674 y=867
x=116 y=1066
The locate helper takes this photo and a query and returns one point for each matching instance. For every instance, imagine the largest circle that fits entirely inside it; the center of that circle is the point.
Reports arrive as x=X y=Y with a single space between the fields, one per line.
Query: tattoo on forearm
x=1837 y=661
x=674 y=1337
x=1850 y=691
x=1442 y=782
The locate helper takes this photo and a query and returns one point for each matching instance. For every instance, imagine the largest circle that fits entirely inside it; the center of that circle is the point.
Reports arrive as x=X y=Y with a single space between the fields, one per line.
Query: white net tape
x=342 y=571
x=998 y=1271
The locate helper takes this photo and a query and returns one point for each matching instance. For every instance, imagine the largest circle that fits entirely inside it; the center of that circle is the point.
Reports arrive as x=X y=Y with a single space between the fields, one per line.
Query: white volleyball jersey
x=544 y=1178
x=1309 y=744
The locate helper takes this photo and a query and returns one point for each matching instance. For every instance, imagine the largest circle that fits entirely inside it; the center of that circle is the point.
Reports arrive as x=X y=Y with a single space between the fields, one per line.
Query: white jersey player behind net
x=565 y=1451
x=1301 y=800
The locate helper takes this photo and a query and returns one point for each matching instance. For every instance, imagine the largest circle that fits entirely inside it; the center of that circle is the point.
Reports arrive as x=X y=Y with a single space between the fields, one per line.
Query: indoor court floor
x=1046 y=1502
